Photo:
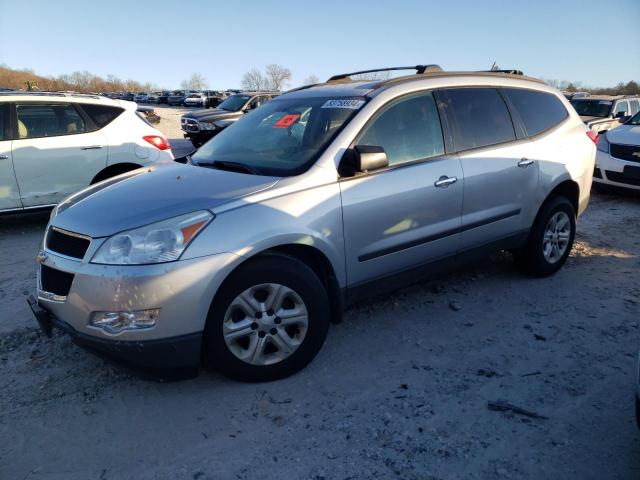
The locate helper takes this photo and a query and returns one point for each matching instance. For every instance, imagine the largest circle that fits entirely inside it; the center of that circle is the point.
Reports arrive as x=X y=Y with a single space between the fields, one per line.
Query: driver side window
x=408 y=129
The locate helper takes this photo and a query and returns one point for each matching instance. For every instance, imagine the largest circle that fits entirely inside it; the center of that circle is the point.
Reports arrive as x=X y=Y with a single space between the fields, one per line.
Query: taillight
x=593 y=136
x=160 y=142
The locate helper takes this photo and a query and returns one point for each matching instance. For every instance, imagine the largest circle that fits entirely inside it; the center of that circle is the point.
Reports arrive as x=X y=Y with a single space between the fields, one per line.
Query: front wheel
x=550 y=239
x=268 y=321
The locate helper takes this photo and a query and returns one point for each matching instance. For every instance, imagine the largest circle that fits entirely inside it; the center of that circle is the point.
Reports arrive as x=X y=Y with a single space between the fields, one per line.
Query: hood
x=150 y=195
x=211 y=115
x=625 y=135
x=592 y=120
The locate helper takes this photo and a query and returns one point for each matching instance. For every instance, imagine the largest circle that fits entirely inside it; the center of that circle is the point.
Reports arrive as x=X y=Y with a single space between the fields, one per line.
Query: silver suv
x=243 y=256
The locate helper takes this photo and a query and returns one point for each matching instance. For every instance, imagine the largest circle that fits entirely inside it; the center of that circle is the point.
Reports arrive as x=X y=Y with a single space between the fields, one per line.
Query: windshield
x=592 y=108
x=281 y=138
x=234 y=102
x=635 y=120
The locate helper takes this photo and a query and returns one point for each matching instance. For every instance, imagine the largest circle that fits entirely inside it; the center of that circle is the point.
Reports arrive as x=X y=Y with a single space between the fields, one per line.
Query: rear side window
x=37 y=120
x=478 y=117
x=102 y=115
x=539 y=111
x=5 y=134
x=408 y=129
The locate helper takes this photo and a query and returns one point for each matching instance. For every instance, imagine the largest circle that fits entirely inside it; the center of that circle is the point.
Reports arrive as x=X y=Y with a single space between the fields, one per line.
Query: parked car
x=54 y=144
x=575 y=95
x=177 y=97
x=602 y=113
x=158 y=97
x=205 y=99
x=141 y=97
x=129 y=96
x=200 y=126
x=618 y=157
x=322 y=196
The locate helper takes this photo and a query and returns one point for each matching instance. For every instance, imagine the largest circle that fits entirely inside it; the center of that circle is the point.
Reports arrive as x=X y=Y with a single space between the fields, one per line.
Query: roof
x=62 y=97
x=344 y=86
x=607 y=97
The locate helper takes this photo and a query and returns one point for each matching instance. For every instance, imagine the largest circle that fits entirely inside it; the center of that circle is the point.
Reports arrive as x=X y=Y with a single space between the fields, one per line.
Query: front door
x=9 y=193
x=408 y=214
x=55 y=154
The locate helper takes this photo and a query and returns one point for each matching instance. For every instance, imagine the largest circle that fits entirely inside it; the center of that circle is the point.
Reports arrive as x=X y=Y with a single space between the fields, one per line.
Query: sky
x=163 y=42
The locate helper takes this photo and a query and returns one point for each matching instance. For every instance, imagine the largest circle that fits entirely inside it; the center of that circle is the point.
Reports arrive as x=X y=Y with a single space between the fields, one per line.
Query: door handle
x=444 y=181
x=525 y=162
x=92 y=147
x=4 y=157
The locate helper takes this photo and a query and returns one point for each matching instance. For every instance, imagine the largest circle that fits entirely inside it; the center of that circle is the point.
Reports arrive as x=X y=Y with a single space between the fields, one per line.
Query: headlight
x=207 y=126
x=603 y=143
x=156 y=243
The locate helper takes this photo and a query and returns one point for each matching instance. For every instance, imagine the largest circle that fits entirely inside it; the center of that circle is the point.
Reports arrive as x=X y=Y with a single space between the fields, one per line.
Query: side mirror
x=363 y=158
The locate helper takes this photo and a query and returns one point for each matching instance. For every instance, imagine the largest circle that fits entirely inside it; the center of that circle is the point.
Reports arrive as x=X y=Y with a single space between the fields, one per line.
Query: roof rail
x=51 y=94
x=511 y=71
x=420 y=69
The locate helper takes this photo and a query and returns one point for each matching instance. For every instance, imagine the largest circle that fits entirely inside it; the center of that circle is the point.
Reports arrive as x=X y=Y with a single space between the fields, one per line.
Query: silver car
x=325 y=195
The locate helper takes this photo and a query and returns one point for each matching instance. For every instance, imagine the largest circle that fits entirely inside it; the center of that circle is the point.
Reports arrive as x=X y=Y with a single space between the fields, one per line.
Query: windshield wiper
x=231 y=166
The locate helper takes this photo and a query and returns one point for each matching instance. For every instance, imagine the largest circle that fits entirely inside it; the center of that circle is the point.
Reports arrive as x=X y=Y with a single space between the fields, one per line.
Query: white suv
x=54 y=144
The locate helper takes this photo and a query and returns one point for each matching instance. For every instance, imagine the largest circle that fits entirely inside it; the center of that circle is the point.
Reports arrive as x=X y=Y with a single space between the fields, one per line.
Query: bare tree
x=277 y=76
x=254 y=80
x=311 y=80
x=195 y=82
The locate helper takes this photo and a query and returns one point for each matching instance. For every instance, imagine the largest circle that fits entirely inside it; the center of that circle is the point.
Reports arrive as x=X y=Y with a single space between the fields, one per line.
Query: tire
x=531 y=258
x=255 y=353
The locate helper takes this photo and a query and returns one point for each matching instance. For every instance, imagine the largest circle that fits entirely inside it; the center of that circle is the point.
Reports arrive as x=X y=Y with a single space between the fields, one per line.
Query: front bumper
x=182 y=290
x=616 y=172
x=168 y=359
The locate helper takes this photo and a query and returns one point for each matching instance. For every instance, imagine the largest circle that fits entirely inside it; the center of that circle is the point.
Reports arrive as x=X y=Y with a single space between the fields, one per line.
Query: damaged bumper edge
x=169 y=359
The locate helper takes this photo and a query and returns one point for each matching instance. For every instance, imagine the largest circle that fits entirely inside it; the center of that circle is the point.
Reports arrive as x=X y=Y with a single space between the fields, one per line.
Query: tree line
x=274 y=77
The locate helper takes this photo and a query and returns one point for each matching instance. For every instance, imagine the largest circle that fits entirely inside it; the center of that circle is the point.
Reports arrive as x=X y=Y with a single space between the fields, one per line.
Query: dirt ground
x=400 y=389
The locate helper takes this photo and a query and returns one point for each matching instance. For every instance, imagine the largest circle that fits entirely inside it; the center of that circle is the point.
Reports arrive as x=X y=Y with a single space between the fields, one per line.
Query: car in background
x=54 y=144
x=572 y=95
x=205 y=99
x=243 y=256
x=177 y=97
x=605 y=112
x=618 y=157
x=158 y=97
x=129 y=96
x=141 y=97
x=200 y=126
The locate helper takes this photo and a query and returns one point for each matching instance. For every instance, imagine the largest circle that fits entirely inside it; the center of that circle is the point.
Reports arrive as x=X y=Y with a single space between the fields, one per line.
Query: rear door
x=9 y=193
x=500 y=180
x=57 y=151
x=409 y=213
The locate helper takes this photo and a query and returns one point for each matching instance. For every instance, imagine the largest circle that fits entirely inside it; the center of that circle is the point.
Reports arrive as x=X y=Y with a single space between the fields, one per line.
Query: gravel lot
x=400 y=389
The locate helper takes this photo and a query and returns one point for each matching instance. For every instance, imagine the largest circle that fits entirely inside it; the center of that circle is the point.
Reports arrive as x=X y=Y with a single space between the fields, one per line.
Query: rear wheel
x=550 y=239
x=268 y=321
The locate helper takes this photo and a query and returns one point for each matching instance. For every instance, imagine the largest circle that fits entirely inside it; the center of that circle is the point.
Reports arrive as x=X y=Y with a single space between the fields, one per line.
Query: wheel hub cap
x=265 y=324
x=556 y=237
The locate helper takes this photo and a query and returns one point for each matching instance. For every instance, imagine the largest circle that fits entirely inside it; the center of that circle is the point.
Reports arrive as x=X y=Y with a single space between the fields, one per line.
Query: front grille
x=55 y=281
x=66 y=243
x=190 y=125
x=622 y=178
x=630 y=153
x=597 y=173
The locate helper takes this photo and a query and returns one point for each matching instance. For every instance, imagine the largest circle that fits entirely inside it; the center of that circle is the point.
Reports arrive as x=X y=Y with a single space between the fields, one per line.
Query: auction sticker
x=287 y=121
x=352 y=104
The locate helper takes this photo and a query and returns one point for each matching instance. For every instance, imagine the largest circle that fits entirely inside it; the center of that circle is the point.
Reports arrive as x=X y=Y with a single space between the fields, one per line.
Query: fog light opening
x=116 y=322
